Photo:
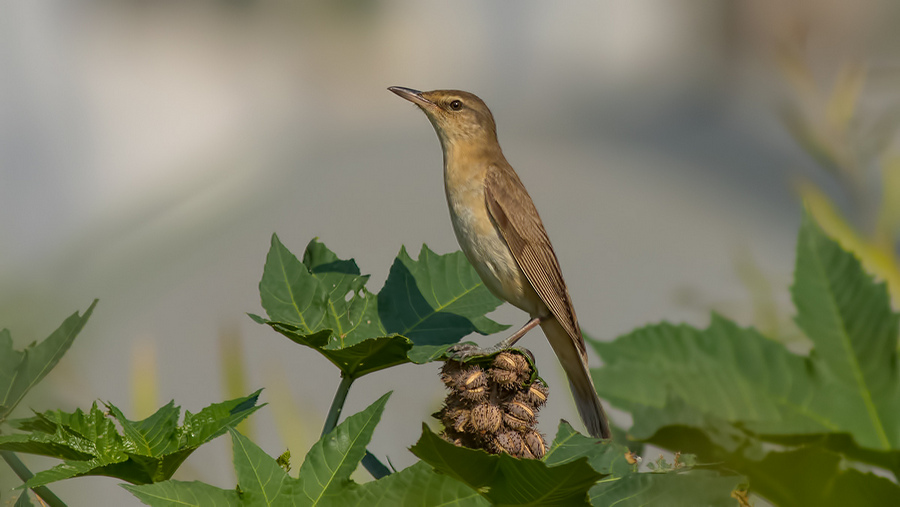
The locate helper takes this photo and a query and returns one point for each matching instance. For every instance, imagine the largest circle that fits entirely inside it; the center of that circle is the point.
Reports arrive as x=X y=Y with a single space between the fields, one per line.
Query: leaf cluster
x=790 y=422
x=447 y=475
x=425 y=306
x=150 y=450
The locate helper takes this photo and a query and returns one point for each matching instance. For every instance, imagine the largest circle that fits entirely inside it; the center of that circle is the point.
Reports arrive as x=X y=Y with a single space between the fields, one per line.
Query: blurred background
x=148 y=150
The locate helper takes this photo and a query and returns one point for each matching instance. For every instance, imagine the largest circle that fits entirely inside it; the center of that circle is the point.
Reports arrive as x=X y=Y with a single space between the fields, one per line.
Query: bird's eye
x=456 y=105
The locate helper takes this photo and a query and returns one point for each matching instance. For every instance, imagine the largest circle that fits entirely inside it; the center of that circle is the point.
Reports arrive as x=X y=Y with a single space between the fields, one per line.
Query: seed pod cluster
x=492 y=406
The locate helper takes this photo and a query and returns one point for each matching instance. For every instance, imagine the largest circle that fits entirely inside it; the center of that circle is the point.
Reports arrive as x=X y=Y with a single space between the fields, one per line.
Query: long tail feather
x=576 y=368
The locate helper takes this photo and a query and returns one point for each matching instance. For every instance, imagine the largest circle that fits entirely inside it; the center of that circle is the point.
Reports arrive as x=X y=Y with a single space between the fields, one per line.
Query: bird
x=501 y=234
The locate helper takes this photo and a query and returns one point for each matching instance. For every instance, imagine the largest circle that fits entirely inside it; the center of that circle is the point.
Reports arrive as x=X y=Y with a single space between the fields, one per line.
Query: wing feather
x=515 y=215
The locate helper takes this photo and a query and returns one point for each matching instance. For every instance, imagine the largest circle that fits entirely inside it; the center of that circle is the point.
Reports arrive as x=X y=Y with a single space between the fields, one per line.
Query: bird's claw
x=463 y=352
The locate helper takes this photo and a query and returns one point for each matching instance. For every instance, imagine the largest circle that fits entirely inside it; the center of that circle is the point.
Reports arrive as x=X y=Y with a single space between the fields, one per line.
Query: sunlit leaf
x=436 y=299
x=333 y=458
x=183 y=494
x=145 y=451
x=322 y=302
x=849 y=319
x=323 y=478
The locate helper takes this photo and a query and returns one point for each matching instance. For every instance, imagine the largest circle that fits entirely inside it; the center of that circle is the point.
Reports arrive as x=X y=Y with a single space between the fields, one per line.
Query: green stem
x=376 y=468
x=25 y=474
x=337 y=404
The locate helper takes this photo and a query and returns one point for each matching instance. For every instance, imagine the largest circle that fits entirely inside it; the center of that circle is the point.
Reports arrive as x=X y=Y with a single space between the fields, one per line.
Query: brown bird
x=500 y=232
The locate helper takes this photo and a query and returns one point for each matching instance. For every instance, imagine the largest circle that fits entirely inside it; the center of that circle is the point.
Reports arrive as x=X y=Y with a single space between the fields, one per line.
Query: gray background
x=148 y=150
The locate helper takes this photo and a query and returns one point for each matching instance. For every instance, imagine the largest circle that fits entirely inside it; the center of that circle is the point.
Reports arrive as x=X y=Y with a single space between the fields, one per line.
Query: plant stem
x=376 y=468
x=337 y=404
x=25 y=474
x=369 y=461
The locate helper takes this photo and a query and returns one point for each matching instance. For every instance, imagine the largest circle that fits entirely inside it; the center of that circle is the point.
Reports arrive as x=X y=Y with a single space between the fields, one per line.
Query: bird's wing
x=515 y=215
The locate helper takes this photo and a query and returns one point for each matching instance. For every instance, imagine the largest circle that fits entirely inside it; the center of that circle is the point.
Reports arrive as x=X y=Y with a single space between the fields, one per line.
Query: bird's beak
x=414 y=96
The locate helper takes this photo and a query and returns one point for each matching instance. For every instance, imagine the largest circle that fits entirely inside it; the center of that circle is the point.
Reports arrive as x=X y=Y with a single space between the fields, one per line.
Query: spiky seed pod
x=485 y=418
x=537 y=394
x=527 y=454
x=535 y=443
x=512 y=361
x=450 y=371
x=520 y=411
x=509 y=442
x=455 y=418
x=514 y=423
x=506 y=361
x=507 y=379
x=478 y=394
x=510 y=369
x=471 y=378
x=491 y=408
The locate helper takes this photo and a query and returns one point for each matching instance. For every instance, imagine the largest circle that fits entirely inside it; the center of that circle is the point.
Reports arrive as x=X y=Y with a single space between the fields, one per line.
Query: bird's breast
x=483 y=244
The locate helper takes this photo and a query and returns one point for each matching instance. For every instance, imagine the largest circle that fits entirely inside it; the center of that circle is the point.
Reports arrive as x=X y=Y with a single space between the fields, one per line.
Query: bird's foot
x=464 y=352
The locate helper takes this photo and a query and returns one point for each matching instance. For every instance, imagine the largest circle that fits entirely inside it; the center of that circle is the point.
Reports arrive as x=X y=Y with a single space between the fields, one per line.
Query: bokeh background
x=148 y=150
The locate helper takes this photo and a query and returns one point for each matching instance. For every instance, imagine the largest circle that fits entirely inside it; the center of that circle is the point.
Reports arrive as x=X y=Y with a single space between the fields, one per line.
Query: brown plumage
x=501 y=233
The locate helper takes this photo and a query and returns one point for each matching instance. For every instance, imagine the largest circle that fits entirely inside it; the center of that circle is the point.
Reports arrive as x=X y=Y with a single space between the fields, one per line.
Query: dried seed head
x=509 y=442
x=537 y=394
x=510 y=369
x=535 y=443
x=485 y=418
x=491 y=408
x=507 y=379
x=515 y=423
x=450 y=372
x=472 y=378
x=505 y=361
x=512 y=361
x=477 y=394
x=455 y=418
x=520 y=411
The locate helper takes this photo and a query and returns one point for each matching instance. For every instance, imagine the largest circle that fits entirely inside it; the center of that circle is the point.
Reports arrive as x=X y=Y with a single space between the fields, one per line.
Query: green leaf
x=436 y=300
x=623 y=486
x=179 y=494
x=322 y=297
x=414 y=486
x=360 y=359
x=724 y=371
x=322 y=303
x=849 y=319
x=261 y=478
x=146 y=451
x=289 y=292
x=333 y=458
x=505 y=480
x=809 y=475
x=726 y=393
x=695 y=488
x=23 y=500
x=21 y=370
x=323 y=479
x=351 y=319
x=807 y=470
x=604 y=456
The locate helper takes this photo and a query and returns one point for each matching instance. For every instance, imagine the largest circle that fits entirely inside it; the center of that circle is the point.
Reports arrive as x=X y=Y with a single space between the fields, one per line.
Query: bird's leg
x=466 y=350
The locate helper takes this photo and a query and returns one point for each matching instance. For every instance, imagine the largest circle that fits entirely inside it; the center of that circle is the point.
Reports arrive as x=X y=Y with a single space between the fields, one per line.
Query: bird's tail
x=575 y=365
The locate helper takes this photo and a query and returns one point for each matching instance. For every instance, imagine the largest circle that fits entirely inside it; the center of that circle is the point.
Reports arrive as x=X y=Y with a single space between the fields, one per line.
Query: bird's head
x=458 y=117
